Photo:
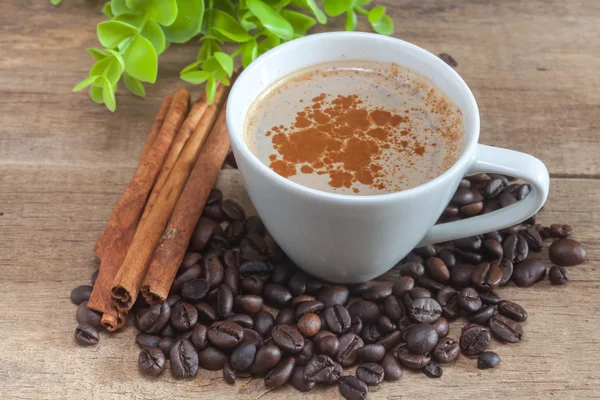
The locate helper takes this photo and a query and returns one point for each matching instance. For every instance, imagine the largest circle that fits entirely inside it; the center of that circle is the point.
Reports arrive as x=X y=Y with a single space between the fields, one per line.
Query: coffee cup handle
x=506 y=162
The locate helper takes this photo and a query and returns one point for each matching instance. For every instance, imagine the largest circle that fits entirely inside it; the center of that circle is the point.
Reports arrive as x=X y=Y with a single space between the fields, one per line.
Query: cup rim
x=238 y=142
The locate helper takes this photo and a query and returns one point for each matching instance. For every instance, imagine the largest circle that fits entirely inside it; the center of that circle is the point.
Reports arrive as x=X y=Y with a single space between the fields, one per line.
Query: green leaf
x=108 y=95
x=249 y=52
x=208 y=48
x=211 y=89
x=141 y=61
x=136 y=20
x=113 y=70
x=119 y=7
x=312 y=6
x=111 y=33
x=270 y=19
x=222 y=77
x=226 y=62
x=55 y=2
x=96 y=94
x=107 y=10
x=351 y=20
x=268 y=43
x=376 y=14
x=248 y=21
x=226 y=6
x=334 y=8
x=85 y=83
x=153 y=32
x=98 y=54
x=212 y=65
x=191 y=67
x=228 y=26
x=99 y=67
x=118 y=56
x=134 y=85
x=188 y=22
x=363 y=2
x=300 y=22
x=196 y=77
x=385 y=26
x=162 y=11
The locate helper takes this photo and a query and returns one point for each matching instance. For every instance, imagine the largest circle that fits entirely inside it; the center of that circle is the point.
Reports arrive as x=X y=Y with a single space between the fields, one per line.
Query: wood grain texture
x=64 y=162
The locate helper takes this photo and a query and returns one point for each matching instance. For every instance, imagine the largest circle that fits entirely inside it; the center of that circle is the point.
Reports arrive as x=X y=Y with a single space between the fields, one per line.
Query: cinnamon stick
x=123 y=222
x=188 y=127
x=175 y=240
x=156 y=126
x=126 y=285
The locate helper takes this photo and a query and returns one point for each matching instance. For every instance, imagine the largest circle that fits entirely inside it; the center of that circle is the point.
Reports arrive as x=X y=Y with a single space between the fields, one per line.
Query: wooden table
x=533 y=66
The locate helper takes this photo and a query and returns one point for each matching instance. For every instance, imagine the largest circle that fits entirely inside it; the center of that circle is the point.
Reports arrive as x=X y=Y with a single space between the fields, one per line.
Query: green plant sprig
x=138 y=31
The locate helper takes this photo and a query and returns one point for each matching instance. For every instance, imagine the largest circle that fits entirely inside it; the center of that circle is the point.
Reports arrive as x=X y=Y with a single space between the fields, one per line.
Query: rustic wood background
x=64 y=161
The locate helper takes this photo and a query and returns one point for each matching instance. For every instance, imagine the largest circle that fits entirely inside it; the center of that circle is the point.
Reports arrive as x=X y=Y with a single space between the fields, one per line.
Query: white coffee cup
x=348 y=239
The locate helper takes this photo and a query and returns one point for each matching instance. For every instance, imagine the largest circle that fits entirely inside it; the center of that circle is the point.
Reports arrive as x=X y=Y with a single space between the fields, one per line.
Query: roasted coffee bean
x=447 y=257
x=253 y=245
x=242 y=356
x=212 y=271
x=370 y=333
x=195 y=290
x=544 y=231
x=482 y=316
x=367 y=311
x=254 y=224
x=199 y=336
x=516 y=248
x=385 y=325
x=189 y=259
x=352 y=388
x=488 y=359
x=437 y=269
x=426 y=251
x=567 y=252
x=421 y=338
x=297 y=284
x=232 y=210
x=329 y=345
x=480 y=178
x=213 y=212
x=202 y=234
x=219 y=241
x=266 y=358
x=281 y=373
x=349 y=345
x=254 y=268
x=172 y=299
x=206 y=313
x=184 y=359
x=371 y=353
x=147 y=340
x=355 y=325
x=450 y=211
x=493 y=249
x=322 y=369
x=234 y=232
x=184 y=335
x=528 y=272
x=285 y=316
x=512 y=310
x=370 y=373
x=264 y=323
x=193 y=272
x=468 y=300
x=184 y=316
x=215 y=196
x=298 y=381
x=416 y=293
x=166 y=344
x=243 y=320
x=306 y=307
x=151 y=361
x=277 y=295
x=86 y=335
x=490 y=297
x=522 y=191
x=80 y=294
x=412 y=361
x=94 y=277
x=472 y=209
x=429 y=284
x=402 y=285
x=168 y=331
x=392 y=370
x=506 y=329
x=303 y=298
x=474 y=339
x=309 y=324
x=225 y=334
x=248 y=303
x=314 y=285
x=507 y=199
x=441 y=327
x=493 y=188
x=560 y=231
x=413 y=257
x=377 y=292
x=338 y=319
x=281 y=274
x=486 y=276
x=433 y=370
x=250 y=335
x=320 y=335
x=470 y=257
x=287 y=338
x=212 y=359
x=513 y=230
x=308 y=351
x=463 y=196
x=412 y=269
x=393 y=308
x=424 y=310
x=253 y=284
x=558 y=275
x=334 y=295
x=359 y=288
x=462 y=275
x=448 y=300
x=494 y=235
x=229 y=374
x=224 y=301
x=86 y=316
x=533 y=238
x=446 y=351
x=472 y=243
x=507 y=268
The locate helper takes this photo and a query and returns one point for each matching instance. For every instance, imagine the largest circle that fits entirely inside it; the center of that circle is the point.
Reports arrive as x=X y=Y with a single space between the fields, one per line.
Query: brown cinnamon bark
x=126 y=285
x=123 y=222
x=175 y=240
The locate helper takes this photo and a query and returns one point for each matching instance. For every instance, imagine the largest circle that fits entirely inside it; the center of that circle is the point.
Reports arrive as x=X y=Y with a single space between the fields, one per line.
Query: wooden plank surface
x=64 y=162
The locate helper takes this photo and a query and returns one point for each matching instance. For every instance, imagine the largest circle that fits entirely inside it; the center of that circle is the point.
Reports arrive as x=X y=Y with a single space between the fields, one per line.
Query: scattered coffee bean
x=441 y=327
x=370 y=373
x=486 y=275
x=515 y=248
x=433 y=370
x=367 y=311
x=88 y=317
x=285 y=316
x=474 y=339
x=322 y=369
x=166 y=344
x=462 y=275
x=242 y=356
x=212 y=358
x=558 y=275
x=424 y=310
x=560 y=231
x=281 y=373
x=506 y=329
x=264 y=323
x=94 y=277
x=446 y=351
x=348 y=349
x=488 y=359
x=512 y=310
x=377 y=292
x=151 y=361
x=311 y=306
x=225 y=334
x=334 y=295
x=184 y=316
x=402 y=285
x=184 y=359
x=468 y=300
x=412 y=361
x=329 y=346
x=299 y=382
x=146 y=340
x=195 y=290
x=421 y=338
x=528 y=272
x=248 y=303
x=266 y=358
x=86 y=335
x=385 y=325
x=242 y=320
x=232 y=210
x=412 y=269
x=567 y=252
x=482 y=316
x=229 y=374
x=80 y=294
x=392 y=370
x=371 y=353
x=309 y=324
x=352 y=388
x=287 y=338
x=370 y=333
x=533 y=238
x=490 y=297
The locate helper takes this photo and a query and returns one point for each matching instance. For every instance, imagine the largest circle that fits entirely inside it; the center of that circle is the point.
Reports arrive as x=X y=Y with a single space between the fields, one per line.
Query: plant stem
x=361 y=10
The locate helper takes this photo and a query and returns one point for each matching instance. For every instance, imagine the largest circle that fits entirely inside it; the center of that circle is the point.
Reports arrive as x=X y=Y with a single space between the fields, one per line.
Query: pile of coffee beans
x=239 y=305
